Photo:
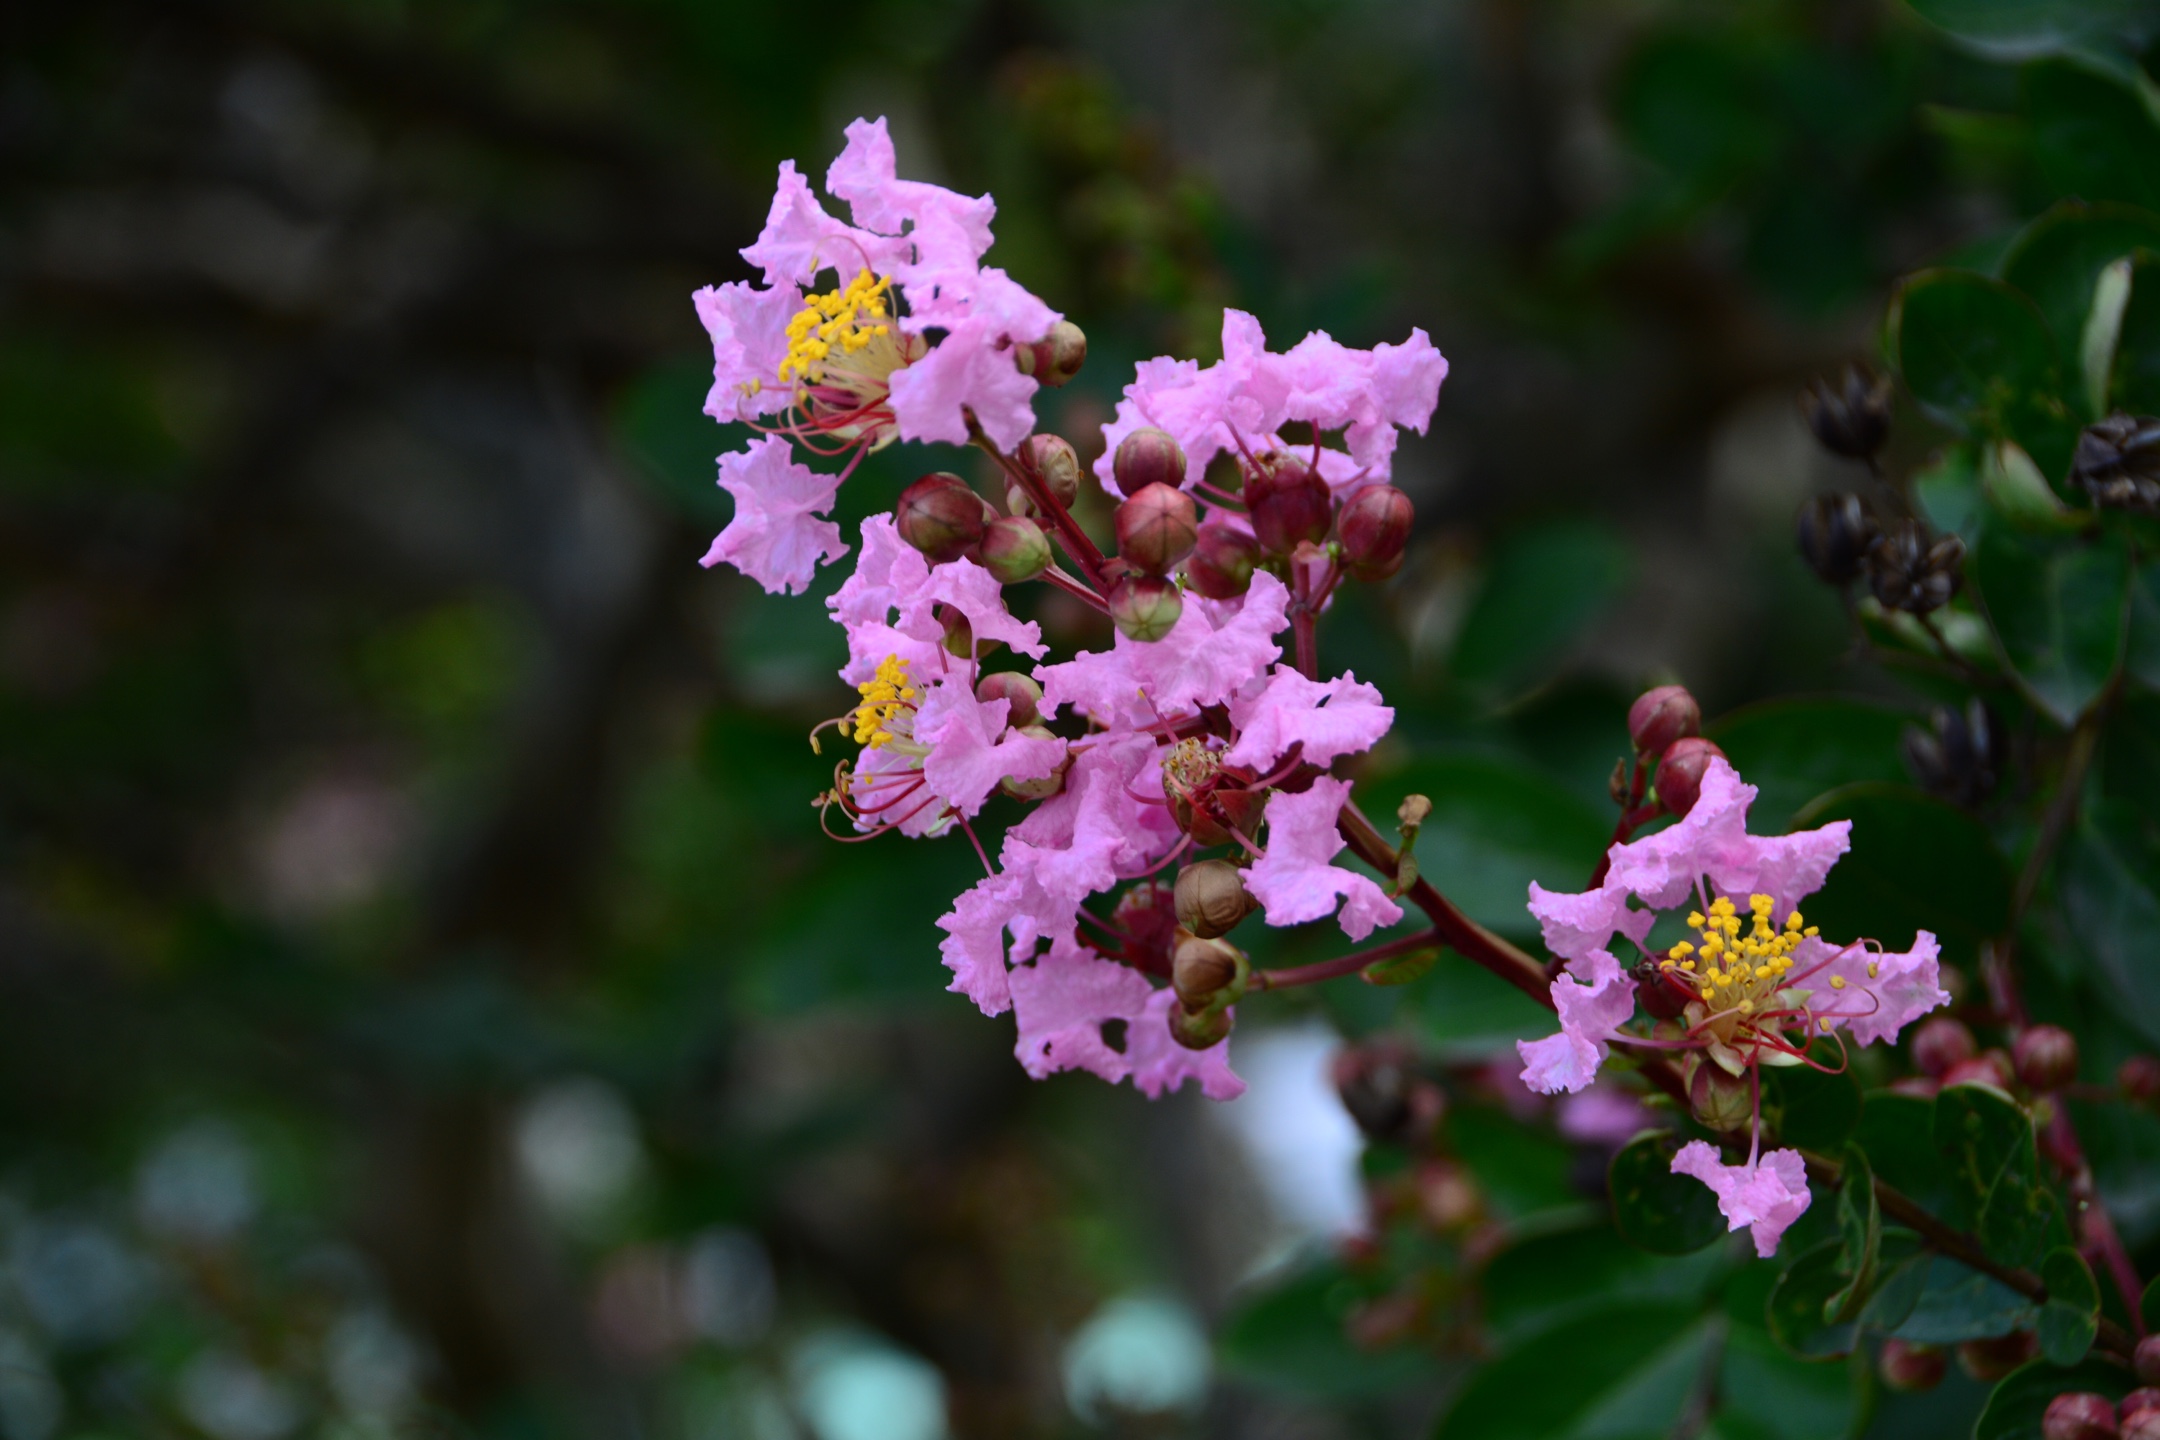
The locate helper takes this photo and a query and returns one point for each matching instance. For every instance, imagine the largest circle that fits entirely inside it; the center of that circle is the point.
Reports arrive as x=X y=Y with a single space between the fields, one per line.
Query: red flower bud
x=1211 y=898
x=1680 y=771
x=1051 y=459
x=1288 y=504
x=1374 y=528
x=1906 y=1366
x=1662 y=997
x=1148 y=457
x=2144 y=1398
x=2141 y=1424
x=1156 y=528
x=1989 y=1067
x=2046 y=1057
x=1661 y=716
x=1221 y=564
x=2139 y=1077
x=1989 y=1360
x=1941 y=1043
x=940 y=516
x=1014 y=549
x=2079 y=1415
x=1022 y=696
x=1144 y=607
x=1056 y=358
x=1149 y=921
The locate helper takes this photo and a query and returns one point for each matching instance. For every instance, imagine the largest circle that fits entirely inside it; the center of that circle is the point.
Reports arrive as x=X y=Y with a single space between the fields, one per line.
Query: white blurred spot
x=728 y=1293
x=232 y=1400
x=853 y=1387
x=31 y=1401
x=331 y=847
x=1301 y=1143
x=1136 y=1356
x=577 y=1143
x=373 y=1366
x=80 y=1283
x=199 y=1185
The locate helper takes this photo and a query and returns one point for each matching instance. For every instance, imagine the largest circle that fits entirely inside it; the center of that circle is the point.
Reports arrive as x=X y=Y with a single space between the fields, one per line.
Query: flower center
x=834 y=328
x=1735 y=971
x=1188 y=767
x=887 y=711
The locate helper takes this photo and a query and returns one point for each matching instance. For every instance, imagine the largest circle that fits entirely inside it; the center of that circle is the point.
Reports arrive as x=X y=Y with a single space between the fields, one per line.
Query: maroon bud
x=1144 y=607
x=2145 y=1398
x=1661 y=716
x=1288 y=505
x=1989 y=1067
x=1199 y=1031
x=1022 y=696
x=1053 y=461
x=1156 y=528
x=1920 y=1087
x=2079 y=1415
x=1941 y=1043
x=940 y=516
x=1014 y=549
x=1211 y=898
x=2141 y=1424
x=2146 y=1361
x=2046 y=1057
x=1662 y=997
x=1221 y=564
x=2139 y=1077
x=1056 y=358
x=1447 y=1196
x=1680 y=771
x=1989 y=1360
x=1374 y=528
x=1720 y=1100
x=1148 y=457
x=1907 y=1366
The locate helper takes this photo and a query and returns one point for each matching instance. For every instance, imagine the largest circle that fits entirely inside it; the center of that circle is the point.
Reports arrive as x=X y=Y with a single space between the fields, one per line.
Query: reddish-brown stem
x=1308 y=644
x=1073 y=587
x=1342 y=964
x=1075 y=540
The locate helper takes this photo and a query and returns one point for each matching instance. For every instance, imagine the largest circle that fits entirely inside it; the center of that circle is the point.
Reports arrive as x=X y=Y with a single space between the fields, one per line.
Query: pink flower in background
x=1591 y=1012
x=1604 y=1115
x=1294 y=882
x=778 y=534
x=1765 y=1194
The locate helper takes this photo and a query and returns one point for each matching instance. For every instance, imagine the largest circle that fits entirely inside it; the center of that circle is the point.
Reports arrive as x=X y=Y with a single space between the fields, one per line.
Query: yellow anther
x=1811 y=930
x=1837 y=982
x=1792 y=921
x=1695 y=919
x=1872 y=971
x=1747 y=1007
x=1825 y=1023
x=1687 y=964
x=1762 y=972
x=1682 y=949
x=1665 y=965
x=1706 y=992
x=850 y=317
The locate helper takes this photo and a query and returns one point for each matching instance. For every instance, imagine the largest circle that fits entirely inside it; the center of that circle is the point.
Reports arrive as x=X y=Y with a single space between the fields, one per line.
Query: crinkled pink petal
x=1159 y=1064
x=1293 y=880
x=1081 y=1013
x=748 y=327
x=1197 y=663
x=971 y=750
x=1330 y=718
x=1094 y=832
x=888 y=788
x=1576 y=925
x=974 y=943
x=800 y=239
x=1874 y=1006
x=888 y=606
x=967 y=372
x=1590 y=1013
x=1664 y=869
x=1766 y=1196
x=976 y=594
x=865 y=175
x=778 y=534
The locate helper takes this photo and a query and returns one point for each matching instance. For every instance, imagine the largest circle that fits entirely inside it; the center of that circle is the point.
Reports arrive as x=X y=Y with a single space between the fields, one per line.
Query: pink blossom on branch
x=1767 y=1194
x=778 y=533
x=1328 y=718
x=1294 y=882
x=1591 y=1013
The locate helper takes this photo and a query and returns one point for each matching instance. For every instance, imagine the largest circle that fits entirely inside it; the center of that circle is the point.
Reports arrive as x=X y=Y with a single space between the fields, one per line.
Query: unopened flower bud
x=1056 y=358
x=940 y=516
x=1989 y=1360
x=1989 y=1067
x=1145 y=607
x=1201 y=969
x=1148 y=457
x=1022 y=696
x=1043 y=787
x=1148 y=922
x=2118 y=463
x=1156 y=528
x=1719 y=1099
x=1211 y=898
x=1374 y=529
x=1288 y=504
x=2079 y=1415
x=1836 y=534
x=2145 y=1397
x=1680 y=772
x=1852 y=417
x=1941 y=1043
x=1961 y=758
x=1909 y=571
x=1907 y=1366
x=1014 y=549
x=2046 y=1057
x=1221 y=564
x=2139 y=1077
x=1661 y=716
x=959 y=635
x=2141 y=1424
x=1053 y=460
x=1199 y=1031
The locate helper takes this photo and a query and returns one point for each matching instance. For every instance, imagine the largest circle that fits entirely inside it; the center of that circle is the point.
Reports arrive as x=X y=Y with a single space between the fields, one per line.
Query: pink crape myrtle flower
x=1766 y=1194
x=1594 y=1000
x=1293 y=880
x=778 y=534
x=1202 y=661
x=1239 y=404
x=888 y=606
x=1322 y=719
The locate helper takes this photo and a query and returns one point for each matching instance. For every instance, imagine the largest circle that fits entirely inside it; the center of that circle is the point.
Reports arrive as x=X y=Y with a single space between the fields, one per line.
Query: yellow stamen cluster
x=1738 y=970
x=847 y=319
x=883 y=698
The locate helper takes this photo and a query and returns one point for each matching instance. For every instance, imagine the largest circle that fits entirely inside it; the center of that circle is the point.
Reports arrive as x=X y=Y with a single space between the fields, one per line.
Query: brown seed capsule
x=1056 y=358
x=1202 y=1031
x=2046 y=1057
x=2079 y=1415
x=1145 y=607
x=1022 y=696
x=1201 y=969
x=1287 y=504
x=2118 y=463
x=940 y=516
x=1906 y=1366
x=1211 y=898
x=1148 y=457
x=1374 y=529
x=1661 y=716
x=1156 y=528
x=1054 y=461
x=1014 y=549
x=1836 y=534
x=1852 y=417
x=1043 y=787
x=1680 y=772
x=1989 y=1360
x=1941 y=1043
x=1908 y=570
x=1221 y=564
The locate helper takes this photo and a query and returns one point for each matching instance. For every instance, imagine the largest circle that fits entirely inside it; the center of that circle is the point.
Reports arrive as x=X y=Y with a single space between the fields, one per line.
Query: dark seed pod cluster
x=1836 y=534
x=1960 y=756
x=1852 y=417
x=2118 y=463
x=1912 y=571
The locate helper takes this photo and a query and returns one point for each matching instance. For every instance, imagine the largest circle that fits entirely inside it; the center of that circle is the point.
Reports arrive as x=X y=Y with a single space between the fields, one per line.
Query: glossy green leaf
x=1791 y=751
x=1979 y=355
x=1522 y=1171
x=1290 y=1336
x=1898 y=1134
x=1541 y=595
x=2060 y=608
x=2057 y=260
x=1995 y=1170
x=1916 y=863
x=2013 y=29
x=1859 y=1234
x=2071 y=1315
x=2109 y=880
x=1957 y=1303
x=1804 y=1308
x=2133 y=377
x=2141 y=657
x=1546 y=1279
x=1811 y=1109
x=2095 y=130
x=1627 y=1371
x=2015 y=1410
x=2016 y=491
x=2099 y=346
x=1664 y=1213
x=1765 y=1393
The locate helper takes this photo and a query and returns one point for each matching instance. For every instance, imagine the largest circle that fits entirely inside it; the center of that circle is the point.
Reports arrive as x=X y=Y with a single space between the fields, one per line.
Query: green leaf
x=1802 y=1311
x=1626 y=1371
x=1290 y=1336
x=2141 y=659
x=2018 y=492
x=1980 y=356
x=1811 y=1109
x=2015 y=1410
x=2071 y=1315
x=2133 y=374
x=1898 y=1134
x=2109 y=880
x=1916 y=863
x=1767 y=1394
x=1995 y=1170
x=2100 y=344
x=2094 y=130
x=2057 y=260
x=1522 y=1171
x=1543 y=592
x=1664 y=1213
x=2060 y=610
x=1859 y=1232
x=2149 y=1305
x=2014 y=29
x=1547 y=1279
x=1400 y=969
x=1791 y=751
x=1958 y=1303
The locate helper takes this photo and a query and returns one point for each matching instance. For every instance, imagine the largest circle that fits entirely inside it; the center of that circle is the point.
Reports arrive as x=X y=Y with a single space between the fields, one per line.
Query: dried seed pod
x=1852 y=417
x=2118 y=463
x=1910 y=571
x=1961 y=758
x=1201 y=969
x=1836 y=533
x=1211 y=898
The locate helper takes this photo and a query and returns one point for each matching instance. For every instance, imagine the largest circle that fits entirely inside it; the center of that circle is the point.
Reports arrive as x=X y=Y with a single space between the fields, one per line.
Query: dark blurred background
x=427 y=1005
